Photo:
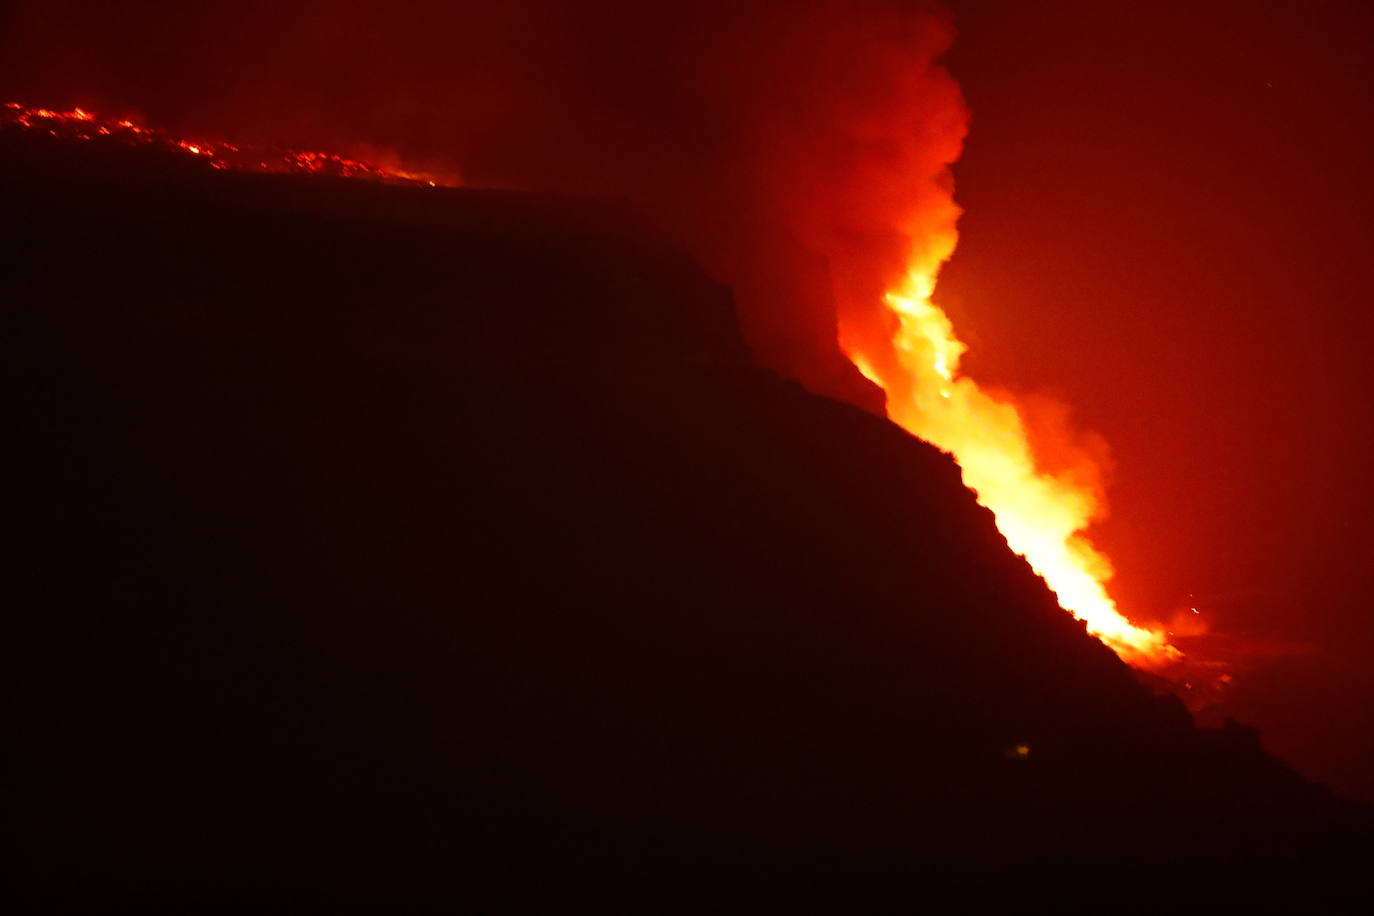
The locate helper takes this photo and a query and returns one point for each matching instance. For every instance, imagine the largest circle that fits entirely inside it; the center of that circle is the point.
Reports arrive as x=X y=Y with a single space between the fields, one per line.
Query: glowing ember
x=78 y=124
x=1041 y=514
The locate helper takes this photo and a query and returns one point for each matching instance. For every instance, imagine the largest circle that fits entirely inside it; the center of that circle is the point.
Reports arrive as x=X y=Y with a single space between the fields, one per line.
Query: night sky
x=1167 y=218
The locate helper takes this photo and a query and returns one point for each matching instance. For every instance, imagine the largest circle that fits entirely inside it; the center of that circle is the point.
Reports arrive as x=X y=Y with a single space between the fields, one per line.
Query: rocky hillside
x=387 y=540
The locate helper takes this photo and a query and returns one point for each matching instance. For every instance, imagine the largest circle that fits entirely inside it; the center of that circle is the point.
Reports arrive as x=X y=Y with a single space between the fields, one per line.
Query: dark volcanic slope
x=449 y=539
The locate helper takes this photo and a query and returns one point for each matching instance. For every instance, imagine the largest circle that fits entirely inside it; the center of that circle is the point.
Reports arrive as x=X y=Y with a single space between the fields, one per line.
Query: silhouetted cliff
x=380 y=540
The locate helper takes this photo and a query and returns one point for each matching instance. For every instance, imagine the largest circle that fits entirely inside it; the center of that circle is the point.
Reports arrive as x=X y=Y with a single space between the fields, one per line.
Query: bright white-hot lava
x=1043 y=515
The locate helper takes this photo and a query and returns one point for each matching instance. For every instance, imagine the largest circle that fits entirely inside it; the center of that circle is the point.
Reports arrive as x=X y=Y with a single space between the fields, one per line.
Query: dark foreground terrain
x=380 y=544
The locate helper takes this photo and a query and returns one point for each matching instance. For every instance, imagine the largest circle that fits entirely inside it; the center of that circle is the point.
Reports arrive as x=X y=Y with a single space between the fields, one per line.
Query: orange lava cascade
x=79 y=124
x=1041 y=514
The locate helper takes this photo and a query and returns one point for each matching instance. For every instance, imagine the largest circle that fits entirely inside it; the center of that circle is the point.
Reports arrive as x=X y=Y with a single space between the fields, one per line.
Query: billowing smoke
x=800 y=147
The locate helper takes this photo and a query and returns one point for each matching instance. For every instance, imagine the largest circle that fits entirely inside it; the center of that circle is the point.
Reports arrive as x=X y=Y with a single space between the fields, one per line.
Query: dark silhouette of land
x=384 y=543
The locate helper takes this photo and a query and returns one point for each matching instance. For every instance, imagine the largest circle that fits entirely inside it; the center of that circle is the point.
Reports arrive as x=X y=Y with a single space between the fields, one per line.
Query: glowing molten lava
x=78 y=124
x=1042 y=515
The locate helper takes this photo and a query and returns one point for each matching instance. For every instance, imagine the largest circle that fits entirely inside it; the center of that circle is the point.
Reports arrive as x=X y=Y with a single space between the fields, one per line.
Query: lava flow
x=79 y=124
x=1041 y=514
